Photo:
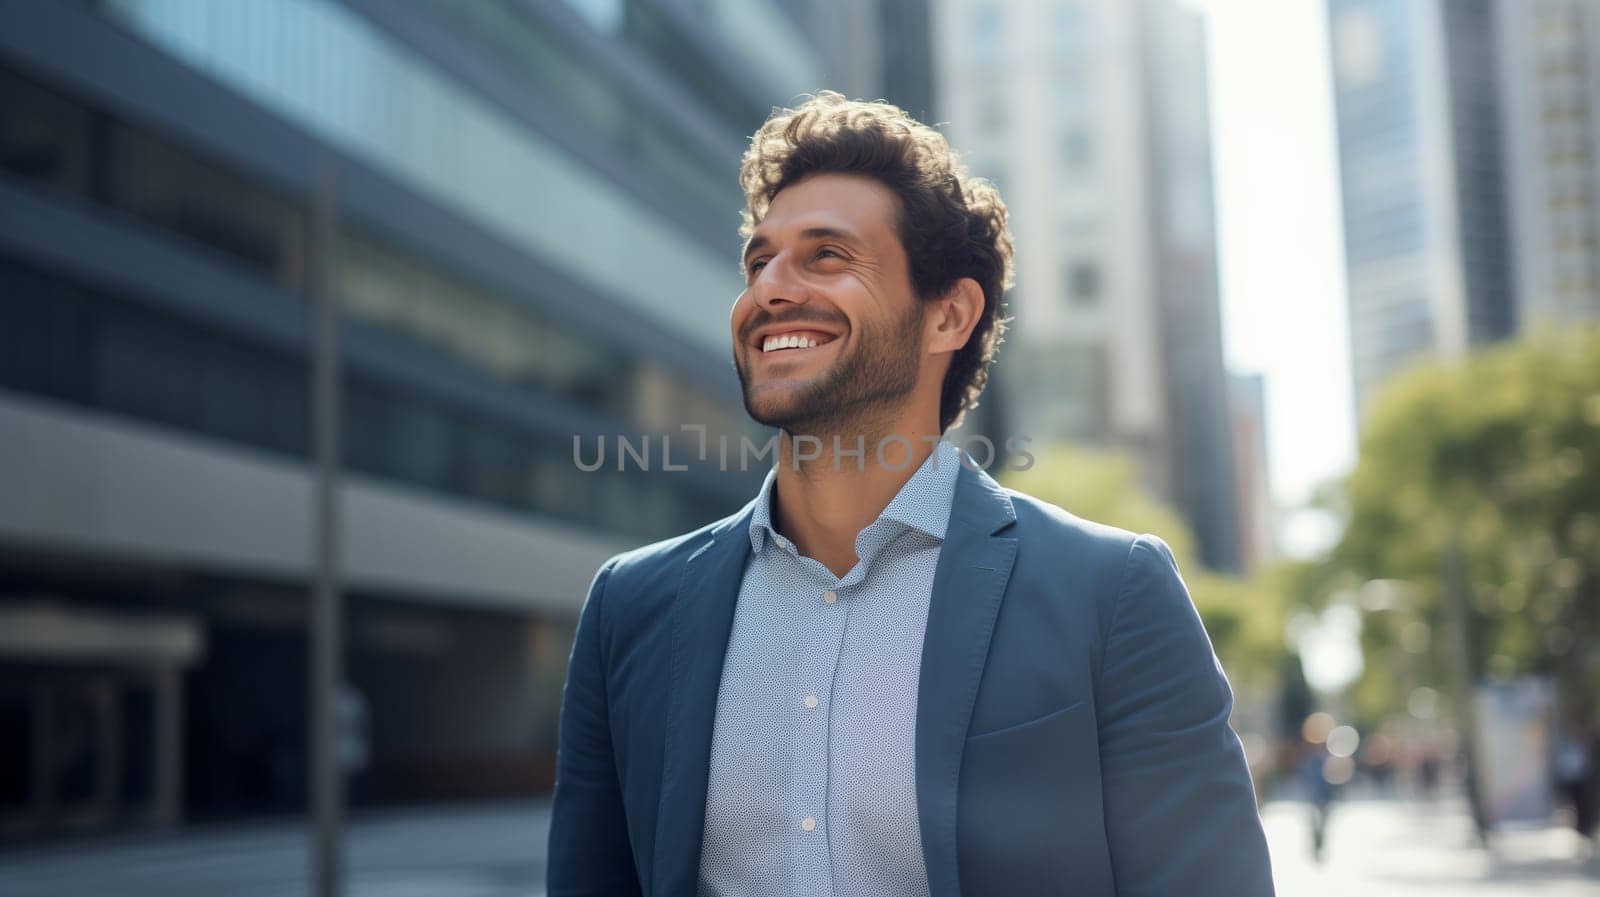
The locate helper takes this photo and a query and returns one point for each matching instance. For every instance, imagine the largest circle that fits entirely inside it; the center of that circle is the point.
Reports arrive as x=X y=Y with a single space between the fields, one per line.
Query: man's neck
x=824 y=499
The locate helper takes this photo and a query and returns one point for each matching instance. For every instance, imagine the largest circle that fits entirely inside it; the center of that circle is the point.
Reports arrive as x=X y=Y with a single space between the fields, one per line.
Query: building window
x=992 y=116
x=78 y=151
x=1083 y=283
x=602 y=15
x=1358 y=48
x=986 y=34
x=1077 y=148
x=113 y=353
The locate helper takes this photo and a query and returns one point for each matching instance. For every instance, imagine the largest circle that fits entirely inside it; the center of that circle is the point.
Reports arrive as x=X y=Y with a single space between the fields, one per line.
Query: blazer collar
x=702 y=620
x=974 y=566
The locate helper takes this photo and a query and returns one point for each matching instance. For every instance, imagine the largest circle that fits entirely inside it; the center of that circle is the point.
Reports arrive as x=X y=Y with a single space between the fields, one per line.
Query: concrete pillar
x=167 y=803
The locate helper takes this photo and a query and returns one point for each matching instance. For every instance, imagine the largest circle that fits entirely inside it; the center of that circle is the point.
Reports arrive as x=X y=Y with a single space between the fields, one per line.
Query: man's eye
x=826 y=251
x=757 y=265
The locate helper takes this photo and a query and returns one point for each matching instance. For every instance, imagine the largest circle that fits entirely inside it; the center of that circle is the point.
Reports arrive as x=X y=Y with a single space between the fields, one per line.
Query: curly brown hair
x=951 y=224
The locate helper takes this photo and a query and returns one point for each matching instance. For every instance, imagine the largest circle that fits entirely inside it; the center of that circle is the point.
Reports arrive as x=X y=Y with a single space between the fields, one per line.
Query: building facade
x=1466 y=141
x=1092 y=116
x=1549 y=82
x=1423 y=178
x=527 y=214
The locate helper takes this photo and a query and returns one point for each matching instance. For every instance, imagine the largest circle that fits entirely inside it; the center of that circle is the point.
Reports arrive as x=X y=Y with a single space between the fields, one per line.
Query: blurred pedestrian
x=1587 y=807
x=1428 y=772
x=1318 y=792
x=1577 y=780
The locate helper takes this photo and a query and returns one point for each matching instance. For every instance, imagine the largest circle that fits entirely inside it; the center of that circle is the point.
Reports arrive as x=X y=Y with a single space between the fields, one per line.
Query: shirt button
x=811 y=701
x=830 y=597
x=808 y=823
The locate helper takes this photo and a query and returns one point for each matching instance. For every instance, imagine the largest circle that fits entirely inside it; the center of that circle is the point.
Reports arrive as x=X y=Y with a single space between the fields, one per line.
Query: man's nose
x=777 y=283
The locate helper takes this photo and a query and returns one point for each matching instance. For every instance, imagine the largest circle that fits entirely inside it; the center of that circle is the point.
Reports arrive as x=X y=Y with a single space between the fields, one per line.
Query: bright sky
x=1280 y=243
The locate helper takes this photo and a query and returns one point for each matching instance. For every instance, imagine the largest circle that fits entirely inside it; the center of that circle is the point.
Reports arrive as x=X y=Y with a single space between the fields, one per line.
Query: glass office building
x=528 y=214
x=1427 y=244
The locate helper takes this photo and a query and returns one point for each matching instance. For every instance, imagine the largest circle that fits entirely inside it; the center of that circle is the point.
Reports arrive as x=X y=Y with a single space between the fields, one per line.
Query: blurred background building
x=1466 y=139
x=1247 y=415
x=1093 y=118
x=1419 y=130
x=1549 y=74
x=529 y=210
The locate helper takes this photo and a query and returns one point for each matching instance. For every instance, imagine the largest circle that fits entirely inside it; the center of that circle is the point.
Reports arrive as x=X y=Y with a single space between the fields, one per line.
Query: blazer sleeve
x=589 y=851
x=1180 y=808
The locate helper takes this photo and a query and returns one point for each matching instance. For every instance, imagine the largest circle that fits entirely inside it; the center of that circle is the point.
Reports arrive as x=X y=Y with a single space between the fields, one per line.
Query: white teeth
x=772 y=343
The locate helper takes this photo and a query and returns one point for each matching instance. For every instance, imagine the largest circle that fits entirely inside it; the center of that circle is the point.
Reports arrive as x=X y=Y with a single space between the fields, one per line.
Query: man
x=887 y=675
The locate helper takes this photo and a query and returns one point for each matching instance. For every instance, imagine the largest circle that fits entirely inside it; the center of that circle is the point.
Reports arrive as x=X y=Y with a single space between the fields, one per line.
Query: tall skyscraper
x=1426 y=238
x=1467 y=136
x=1092 y=117
x=530 y=211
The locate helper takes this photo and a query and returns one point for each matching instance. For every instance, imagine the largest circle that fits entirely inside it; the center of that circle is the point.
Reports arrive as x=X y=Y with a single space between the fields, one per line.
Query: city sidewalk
x=494 y=850
x=1375 y=848
x=1391 y=847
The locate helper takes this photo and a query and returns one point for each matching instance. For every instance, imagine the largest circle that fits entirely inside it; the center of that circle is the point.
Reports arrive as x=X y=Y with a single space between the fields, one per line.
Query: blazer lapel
x=702 y=618
x=974 y=567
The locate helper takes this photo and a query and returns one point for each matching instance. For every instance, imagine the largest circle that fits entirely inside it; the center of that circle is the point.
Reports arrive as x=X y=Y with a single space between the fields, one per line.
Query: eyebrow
x=810 y=233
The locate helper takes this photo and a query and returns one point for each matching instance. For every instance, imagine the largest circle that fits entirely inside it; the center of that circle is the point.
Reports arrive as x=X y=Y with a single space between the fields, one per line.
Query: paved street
x=1385 y=848
x=495 y=851
x=1375 y=849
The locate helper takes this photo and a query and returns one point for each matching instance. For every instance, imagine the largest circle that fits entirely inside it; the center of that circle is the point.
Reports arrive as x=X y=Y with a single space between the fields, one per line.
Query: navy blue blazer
x=1072 y=720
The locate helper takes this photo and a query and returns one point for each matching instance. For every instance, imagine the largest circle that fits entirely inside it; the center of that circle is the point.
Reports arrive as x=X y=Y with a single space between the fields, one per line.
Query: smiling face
x=828 y=331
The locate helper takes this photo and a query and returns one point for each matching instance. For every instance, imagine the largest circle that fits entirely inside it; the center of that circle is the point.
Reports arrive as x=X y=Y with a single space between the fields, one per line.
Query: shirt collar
x=923 y=503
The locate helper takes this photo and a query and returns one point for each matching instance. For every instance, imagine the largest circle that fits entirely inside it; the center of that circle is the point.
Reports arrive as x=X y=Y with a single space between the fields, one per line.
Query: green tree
x=1494 y=461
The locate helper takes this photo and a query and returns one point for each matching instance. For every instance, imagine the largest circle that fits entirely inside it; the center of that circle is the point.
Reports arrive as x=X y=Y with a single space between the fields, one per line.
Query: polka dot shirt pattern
x=812 y=787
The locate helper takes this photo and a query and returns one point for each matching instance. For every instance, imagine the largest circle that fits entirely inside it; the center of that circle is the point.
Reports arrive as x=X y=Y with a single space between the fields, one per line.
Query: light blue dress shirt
x=812 y=787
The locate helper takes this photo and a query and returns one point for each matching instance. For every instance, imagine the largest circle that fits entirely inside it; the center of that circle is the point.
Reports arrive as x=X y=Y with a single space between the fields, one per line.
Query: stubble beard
x=851 y=399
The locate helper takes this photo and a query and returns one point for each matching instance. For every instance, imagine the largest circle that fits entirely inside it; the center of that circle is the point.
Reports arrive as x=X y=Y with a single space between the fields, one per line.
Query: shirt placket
x=811 y=699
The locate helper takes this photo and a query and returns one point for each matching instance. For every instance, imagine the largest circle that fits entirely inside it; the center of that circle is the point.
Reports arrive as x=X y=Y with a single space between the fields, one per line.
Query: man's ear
x=951 y=320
